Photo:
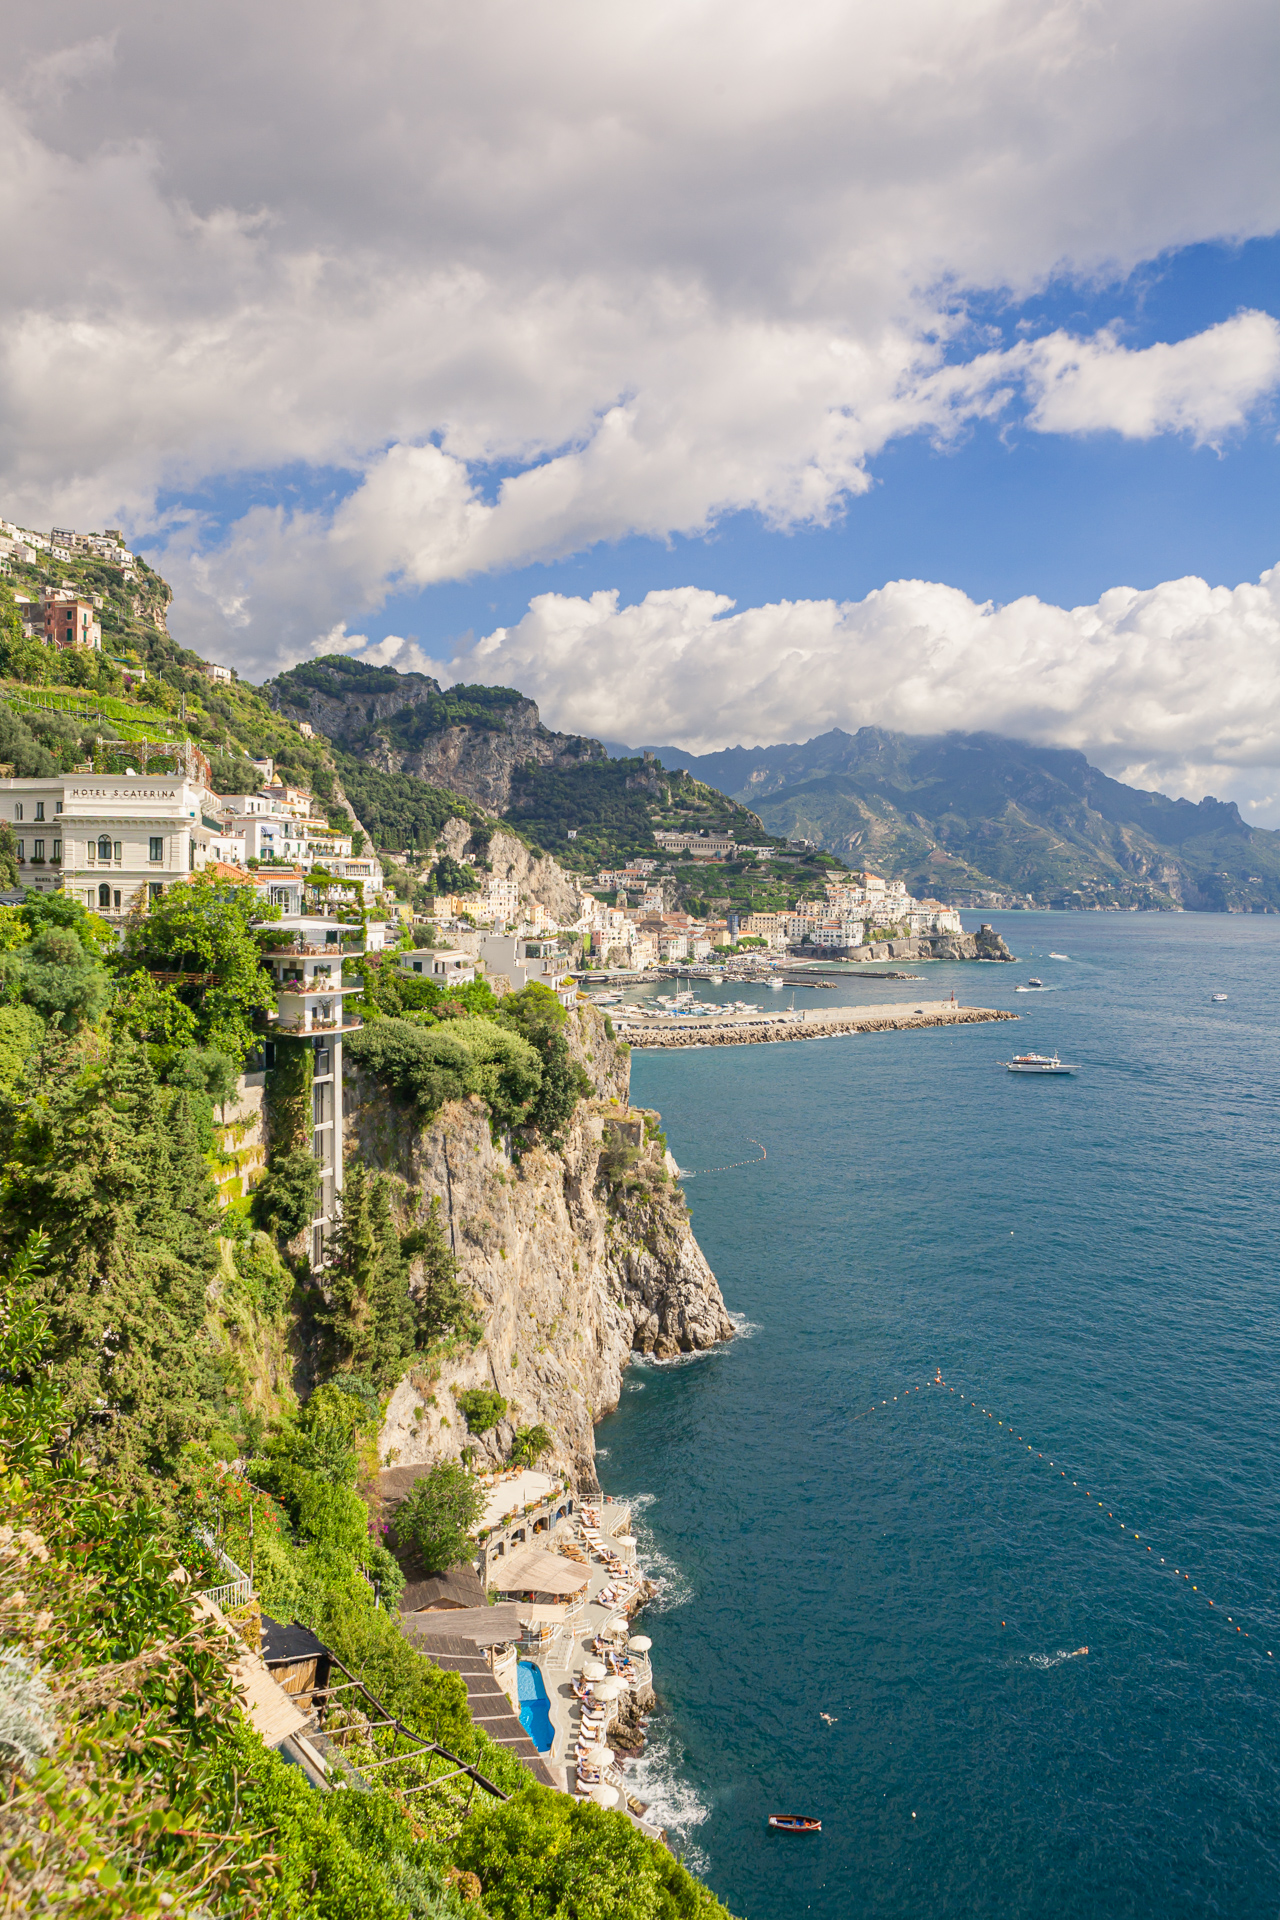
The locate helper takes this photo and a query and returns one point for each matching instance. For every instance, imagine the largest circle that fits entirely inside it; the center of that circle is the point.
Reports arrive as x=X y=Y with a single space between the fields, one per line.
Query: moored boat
x=794 y=1823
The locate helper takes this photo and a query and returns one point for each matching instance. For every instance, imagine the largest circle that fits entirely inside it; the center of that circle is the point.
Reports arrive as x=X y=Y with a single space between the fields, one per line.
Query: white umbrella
x=624 y=1539
x=608 y=1689
x=605 y=1796
x=640 y=1644
x=617 y=1625
x=597 y=1756
x=593 y=1669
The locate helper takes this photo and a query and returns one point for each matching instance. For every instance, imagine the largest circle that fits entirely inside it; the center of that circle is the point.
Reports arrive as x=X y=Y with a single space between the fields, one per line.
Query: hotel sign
x=110 y=796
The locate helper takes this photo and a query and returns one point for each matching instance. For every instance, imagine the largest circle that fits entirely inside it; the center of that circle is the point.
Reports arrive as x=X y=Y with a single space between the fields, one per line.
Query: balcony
x=300 y=1027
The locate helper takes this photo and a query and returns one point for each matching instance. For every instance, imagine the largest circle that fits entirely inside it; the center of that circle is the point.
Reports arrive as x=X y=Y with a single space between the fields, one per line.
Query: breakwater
x=744 y=1030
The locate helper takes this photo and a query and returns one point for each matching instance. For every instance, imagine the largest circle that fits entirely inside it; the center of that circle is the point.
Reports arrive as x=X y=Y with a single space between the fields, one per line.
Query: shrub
x=481 y=1407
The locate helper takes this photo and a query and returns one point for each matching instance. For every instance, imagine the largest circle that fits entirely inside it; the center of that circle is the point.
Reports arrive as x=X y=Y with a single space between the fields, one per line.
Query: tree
x=530 y=1444
x=206 y=929
x=21 y=658
x=111 y=1171
x=442 y=1303
x=370 y=1313
x=536 y=1013
x=285 y=1198
x=437 y=1516
x=8 y=857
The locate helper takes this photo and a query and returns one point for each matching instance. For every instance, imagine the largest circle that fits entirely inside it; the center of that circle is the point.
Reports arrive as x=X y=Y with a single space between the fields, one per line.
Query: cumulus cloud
x=654 y=265
x=1176 y=687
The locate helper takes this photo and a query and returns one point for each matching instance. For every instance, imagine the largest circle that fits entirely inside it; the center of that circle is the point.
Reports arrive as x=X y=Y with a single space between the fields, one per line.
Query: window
x=57 y=806
x=39 y=809
x=104 y=848
x=155 y=888
x=57 y=849
x=88 y=898
x=17 y=812
x=104 y=897
x=22 y=849
x=157 y=847
x=117 y=899
x=37 y=849
x=119 y=849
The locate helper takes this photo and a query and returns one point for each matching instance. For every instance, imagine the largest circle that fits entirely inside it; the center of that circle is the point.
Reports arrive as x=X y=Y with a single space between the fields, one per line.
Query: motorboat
x=1059 y=956
x=1034 y=986
x=1038 y=1063
x=794 y=1823
x=1219 y=996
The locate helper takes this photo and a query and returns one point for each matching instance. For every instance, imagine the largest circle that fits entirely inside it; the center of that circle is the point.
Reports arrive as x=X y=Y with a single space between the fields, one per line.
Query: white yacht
x=1038 y=1063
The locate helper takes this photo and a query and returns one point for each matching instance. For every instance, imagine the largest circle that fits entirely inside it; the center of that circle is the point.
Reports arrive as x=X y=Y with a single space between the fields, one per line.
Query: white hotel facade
x=111 y=840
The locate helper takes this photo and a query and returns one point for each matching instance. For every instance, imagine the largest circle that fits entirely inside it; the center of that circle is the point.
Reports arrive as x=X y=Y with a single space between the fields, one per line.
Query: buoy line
x=1090 y=1493
x=688 y=1173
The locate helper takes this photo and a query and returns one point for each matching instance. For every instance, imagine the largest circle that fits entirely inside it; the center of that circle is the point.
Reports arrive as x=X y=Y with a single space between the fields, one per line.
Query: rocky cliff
x=985 y=944
x=576 y=1259
x=538 y=876
x=470 y=740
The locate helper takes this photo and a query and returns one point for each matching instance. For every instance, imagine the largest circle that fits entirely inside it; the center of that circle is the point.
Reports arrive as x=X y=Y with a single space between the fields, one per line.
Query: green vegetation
x=204 y=935
x=149 y=1349
x=530 y=1444
x=481 y=1408
x=545 y=1858
x=613 y=807
x=513 y=1053
x=436 y=1518
x=398 y=809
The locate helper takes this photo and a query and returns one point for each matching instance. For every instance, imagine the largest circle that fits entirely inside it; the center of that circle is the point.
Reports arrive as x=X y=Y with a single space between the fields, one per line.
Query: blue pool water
x=1095 y=1260
x=535 y=1708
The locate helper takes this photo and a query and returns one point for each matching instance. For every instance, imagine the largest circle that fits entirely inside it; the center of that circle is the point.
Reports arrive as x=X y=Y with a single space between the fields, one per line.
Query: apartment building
x=70 y=622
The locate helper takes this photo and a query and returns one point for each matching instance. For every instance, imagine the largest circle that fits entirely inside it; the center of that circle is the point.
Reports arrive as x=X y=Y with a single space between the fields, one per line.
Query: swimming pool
x=535 y=1708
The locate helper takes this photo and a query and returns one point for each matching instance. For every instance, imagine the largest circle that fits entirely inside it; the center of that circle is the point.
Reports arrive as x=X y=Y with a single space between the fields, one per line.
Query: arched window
x=104 y=896
x=104 y=852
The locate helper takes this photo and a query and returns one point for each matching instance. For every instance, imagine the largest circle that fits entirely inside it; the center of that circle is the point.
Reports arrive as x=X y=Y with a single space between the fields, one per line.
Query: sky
x=715 y=373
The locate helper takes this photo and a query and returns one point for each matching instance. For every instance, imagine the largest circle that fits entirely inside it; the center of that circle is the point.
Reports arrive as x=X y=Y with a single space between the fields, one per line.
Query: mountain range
x=967 y=817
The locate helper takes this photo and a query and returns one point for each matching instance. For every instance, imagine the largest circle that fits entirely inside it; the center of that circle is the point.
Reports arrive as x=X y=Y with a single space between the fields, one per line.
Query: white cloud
x=1176 y=687
x=666 y=262
x=1204 y=386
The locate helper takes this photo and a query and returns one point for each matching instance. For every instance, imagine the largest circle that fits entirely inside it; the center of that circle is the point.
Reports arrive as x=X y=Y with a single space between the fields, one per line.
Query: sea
x=969 y=1543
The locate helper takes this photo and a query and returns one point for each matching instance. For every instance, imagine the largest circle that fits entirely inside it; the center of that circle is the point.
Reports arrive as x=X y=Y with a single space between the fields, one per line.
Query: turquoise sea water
x=1094 y=1260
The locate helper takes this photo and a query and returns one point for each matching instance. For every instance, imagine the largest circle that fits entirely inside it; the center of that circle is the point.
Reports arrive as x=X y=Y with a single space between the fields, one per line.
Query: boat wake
x=1056 y=1659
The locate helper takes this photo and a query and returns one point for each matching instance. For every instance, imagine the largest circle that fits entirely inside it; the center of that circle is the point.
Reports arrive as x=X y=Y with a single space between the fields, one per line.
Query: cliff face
x=573 y=1266
x=538 y=876
x=404 y=723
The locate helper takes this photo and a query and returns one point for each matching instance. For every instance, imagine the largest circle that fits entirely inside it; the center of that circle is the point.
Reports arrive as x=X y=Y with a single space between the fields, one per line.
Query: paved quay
x=813 y=1023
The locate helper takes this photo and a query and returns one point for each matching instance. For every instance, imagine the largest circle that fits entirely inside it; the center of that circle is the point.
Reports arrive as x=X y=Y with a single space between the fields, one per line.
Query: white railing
x=237 y=1591
x=237 y=1594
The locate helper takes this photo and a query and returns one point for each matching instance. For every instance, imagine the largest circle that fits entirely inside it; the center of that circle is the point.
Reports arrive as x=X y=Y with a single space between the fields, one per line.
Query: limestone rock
x=573 y=1266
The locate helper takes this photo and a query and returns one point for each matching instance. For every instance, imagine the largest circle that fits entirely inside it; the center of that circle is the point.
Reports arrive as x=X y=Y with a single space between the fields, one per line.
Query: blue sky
x=1000 y=513
x=712 y=371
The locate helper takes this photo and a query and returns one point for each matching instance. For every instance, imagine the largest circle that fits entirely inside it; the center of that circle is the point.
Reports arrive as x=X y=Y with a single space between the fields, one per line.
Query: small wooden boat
x=794 y=1823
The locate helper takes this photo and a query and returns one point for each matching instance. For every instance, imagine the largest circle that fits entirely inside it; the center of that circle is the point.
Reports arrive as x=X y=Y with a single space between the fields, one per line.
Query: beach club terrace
x=519 y=1506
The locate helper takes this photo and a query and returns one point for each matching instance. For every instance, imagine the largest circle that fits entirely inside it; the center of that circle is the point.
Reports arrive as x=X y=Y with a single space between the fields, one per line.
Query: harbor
x=738 y=1026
